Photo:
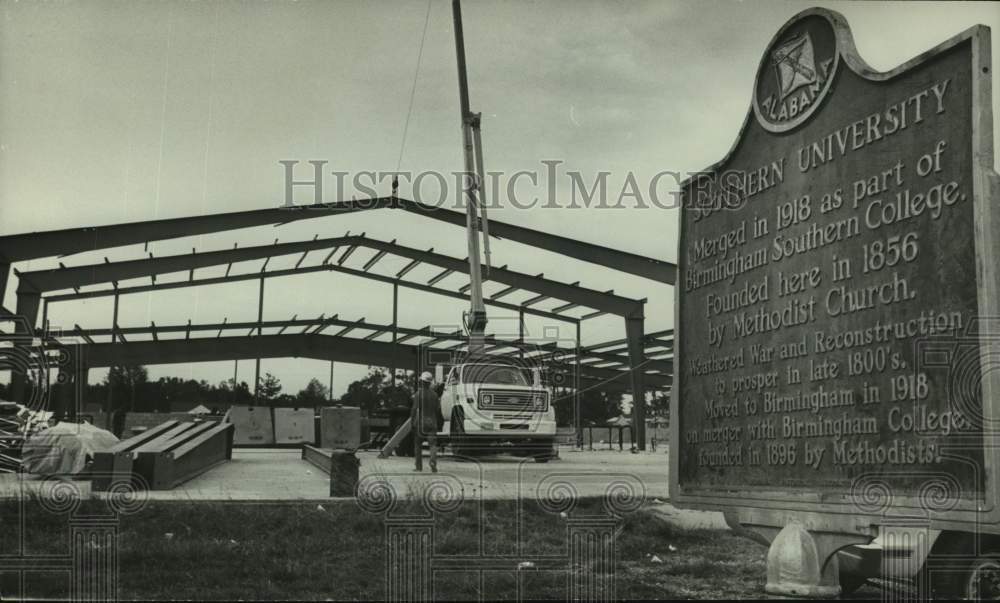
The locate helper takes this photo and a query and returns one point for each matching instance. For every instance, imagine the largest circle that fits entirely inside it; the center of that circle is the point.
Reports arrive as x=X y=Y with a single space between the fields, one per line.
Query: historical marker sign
x=835 y=271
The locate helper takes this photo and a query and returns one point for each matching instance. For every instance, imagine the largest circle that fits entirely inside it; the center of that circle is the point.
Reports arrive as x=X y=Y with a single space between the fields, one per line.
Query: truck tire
x=975 y=579
x=544 y=451
x=850 y=583
x=983 y=581
x=955 y=569
x=456 y=433
x=852 y=576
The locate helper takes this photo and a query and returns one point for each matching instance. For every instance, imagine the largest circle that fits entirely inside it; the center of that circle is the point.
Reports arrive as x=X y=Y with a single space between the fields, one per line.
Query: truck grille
x=511 y=400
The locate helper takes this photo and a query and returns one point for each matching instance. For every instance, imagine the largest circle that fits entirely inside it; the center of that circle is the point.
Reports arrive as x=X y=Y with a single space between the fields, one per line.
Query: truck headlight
x=487 y=399
x=539 y=401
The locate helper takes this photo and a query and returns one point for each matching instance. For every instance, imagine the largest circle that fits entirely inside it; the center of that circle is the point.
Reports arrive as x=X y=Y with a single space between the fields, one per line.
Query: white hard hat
x=426 y=376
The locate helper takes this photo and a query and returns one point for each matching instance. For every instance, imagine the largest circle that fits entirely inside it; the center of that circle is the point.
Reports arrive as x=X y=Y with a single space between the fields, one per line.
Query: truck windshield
x=493 y=373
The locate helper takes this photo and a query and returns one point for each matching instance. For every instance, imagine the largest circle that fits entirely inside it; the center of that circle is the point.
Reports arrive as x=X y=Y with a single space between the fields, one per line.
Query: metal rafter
x=77 y=276
x=19 y=247
x=321 y=347
x=653 y=269
x=48 y=280
x=32 y=245
x=374 y=260
x=440 y=276
x=291 y=272
x=432 y=337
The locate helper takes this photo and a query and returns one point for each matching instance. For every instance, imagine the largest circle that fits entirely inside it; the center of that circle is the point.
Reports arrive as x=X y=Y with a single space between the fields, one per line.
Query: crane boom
x=476 y=320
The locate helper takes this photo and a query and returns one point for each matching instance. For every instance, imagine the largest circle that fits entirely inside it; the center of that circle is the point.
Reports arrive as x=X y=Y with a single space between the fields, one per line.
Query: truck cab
x=497 y=407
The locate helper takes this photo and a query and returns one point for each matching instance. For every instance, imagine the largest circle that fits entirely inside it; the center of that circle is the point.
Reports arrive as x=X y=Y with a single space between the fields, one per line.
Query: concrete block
x=343 y=466
x=294 y=426
x=340 y=427
x=254 y=425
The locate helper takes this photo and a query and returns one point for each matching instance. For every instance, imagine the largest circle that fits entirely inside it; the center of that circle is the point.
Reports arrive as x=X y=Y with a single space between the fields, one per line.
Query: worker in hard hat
x=424 y=418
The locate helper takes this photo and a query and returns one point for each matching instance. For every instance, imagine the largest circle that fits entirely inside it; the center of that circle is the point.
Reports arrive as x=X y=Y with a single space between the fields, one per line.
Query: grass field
x=212 y=551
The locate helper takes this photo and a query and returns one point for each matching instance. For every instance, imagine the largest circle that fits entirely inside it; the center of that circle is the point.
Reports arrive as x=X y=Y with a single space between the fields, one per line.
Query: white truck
x=495 y=408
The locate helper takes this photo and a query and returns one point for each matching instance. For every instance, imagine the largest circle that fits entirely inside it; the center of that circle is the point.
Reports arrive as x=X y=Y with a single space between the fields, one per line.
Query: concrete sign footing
x=801 y=563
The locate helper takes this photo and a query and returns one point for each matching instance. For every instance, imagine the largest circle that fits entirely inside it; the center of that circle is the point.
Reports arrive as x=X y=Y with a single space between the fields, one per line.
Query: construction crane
x=473 y=181
x=471 y=403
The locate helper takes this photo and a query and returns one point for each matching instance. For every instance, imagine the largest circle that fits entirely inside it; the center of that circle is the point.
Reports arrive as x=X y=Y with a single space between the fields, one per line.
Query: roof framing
x=19 y=247
x=70 y=277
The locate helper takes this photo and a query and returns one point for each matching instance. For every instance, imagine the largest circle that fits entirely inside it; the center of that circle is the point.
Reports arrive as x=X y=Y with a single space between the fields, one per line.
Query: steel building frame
x=33 y=284
x=659 y=373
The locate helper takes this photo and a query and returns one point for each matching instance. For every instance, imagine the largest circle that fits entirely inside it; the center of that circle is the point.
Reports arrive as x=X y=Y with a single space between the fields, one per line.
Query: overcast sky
x=123 y=111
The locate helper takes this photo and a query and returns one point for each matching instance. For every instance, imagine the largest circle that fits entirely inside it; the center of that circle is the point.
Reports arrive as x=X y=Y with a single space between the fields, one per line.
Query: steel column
x=520 y=331
x=114 y=320
x=395 y=328
x=260 y=319
x=45 y=336
x=27 y=308
x=576 y=389
x=636 y=354
x=62 y=401
x=79 y=398
x=4 y=277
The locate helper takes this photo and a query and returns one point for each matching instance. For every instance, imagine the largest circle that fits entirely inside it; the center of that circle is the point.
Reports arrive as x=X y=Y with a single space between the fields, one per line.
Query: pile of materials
x=18 y=423
x=64 y=449
x=164 y=456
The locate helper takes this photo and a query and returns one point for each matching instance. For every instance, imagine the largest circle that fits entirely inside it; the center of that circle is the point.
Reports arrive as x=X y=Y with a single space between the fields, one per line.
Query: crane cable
x=413 y=89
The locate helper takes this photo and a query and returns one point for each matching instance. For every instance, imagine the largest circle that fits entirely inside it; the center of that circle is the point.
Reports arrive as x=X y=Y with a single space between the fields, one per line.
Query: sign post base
x=802 y=563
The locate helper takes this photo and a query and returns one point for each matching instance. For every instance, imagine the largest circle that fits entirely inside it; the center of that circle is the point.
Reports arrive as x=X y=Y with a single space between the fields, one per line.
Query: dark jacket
x=426 y=408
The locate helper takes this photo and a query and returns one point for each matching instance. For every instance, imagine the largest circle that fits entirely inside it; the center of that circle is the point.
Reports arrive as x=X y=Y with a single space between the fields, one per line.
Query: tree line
x=128 y=388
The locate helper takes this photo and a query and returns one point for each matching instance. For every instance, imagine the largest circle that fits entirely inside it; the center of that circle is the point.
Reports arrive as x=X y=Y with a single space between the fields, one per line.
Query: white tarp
x=63 y=448
x=199 y=410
